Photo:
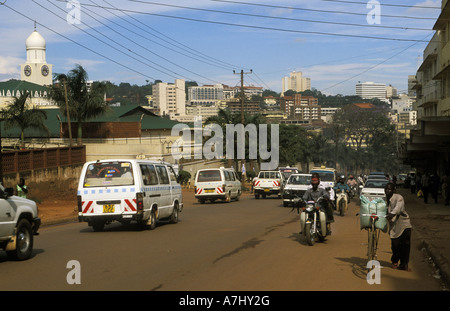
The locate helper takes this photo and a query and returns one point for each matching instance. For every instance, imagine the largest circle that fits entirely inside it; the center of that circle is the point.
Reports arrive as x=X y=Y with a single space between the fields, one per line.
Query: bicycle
x=373 y=236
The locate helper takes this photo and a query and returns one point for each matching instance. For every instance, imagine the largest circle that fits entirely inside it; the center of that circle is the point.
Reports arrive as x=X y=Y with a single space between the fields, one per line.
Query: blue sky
x=205 y=40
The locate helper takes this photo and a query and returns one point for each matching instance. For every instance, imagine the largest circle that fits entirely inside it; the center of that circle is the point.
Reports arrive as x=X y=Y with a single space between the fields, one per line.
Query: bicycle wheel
x=371 y=249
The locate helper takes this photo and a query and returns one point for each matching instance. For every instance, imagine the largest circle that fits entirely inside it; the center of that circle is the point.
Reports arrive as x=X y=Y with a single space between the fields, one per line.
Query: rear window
x=299 y=180
x=325 y=176
x=269 y=175
x=209 y=175
x=109 y=174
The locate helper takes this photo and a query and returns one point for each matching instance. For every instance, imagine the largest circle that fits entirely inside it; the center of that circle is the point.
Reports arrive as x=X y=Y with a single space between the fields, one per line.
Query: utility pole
x=68 y=114
x=242 y=93
x=242 y=117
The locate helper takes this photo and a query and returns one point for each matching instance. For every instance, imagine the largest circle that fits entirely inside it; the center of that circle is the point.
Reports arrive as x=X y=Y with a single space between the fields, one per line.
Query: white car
x=19 y=222
x=296 y=186
x=374 y=188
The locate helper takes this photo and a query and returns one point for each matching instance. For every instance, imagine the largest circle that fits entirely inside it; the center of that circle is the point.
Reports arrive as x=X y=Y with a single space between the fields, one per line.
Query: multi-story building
x=391 y=91
x=233 y=91
x=206 y=95
x=295 y=82
x=300 y=107
x=368 y=90
x=169 y=99
x=428 y=149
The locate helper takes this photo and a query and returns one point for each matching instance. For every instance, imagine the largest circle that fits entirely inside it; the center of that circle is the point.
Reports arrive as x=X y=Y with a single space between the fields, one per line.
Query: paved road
x=246 y=245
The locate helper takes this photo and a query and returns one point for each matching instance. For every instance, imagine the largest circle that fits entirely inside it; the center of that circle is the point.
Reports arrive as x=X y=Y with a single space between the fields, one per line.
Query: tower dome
x=35 y=41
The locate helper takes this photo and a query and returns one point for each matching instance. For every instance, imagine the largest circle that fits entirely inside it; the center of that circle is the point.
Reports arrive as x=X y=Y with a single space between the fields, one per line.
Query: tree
x=18 y=114
x=83 y=103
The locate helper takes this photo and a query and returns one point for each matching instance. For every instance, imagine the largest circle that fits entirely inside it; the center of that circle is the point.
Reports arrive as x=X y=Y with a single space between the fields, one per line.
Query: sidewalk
x=431 y=226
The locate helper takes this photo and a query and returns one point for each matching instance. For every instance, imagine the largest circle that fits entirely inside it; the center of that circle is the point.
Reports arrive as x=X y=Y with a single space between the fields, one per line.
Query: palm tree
x=82 y=103
x=18 y=114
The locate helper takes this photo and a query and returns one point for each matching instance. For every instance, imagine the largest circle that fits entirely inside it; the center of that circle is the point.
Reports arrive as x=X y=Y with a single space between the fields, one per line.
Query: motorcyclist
x=341 y=186
x=351 y=182
x=316 y=192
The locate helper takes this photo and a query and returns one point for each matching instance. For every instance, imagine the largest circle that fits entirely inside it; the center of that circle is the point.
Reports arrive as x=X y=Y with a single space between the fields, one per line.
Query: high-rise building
x=169 y=99
x=369 y=90
x=295 y=82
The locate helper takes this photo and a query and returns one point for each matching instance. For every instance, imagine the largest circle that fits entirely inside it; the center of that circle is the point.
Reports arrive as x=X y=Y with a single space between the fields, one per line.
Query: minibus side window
x=149 y=174
x=172 y=175
x=162 y=173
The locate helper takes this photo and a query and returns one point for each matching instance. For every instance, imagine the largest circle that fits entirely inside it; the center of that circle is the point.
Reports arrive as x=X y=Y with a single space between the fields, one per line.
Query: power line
x=143 y=47
x=79 y=44
x=204 y=58
x=322 y=11
x=372 y=67
x=387 y=4
x=280 y=18
x=108 y=44
x=265 y=28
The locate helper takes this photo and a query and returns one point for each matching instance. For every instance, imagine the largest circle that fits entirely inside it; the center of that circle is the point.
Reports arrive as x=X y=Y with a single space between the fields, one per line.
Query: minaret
x=36 y=69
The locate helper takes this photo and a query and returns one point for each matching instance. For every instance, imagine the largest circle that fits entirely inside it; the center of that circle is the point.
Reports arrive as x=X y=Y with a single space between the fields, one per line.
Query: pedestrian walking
x=21 y=188
x=413 y=184
x=399 y=228
x=446 y=187
x=434 y=186
x=425 y=186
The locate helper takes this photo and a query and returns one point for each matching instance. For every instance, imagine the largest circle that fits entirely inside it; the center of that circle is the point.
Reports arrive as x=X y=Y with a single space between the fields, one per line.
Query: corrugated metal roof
x=126 y=113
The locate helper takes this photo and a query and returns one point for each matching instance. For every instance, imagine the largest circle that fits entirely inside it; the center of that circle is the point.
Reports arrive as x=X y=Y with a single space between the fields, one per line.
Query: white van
x=217 y=183
x=124 y=190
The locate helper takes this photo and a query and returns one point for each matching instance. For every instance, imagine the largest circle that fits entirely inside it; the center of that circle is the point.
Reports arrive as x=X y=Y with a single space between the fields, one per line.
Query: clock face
x=44 y=70
x=27 y=70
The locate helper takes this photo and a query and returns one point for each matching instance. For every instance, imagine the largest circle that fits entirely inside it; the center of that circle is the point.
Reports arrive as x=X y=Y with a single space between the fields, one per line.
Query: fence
x=41 y=159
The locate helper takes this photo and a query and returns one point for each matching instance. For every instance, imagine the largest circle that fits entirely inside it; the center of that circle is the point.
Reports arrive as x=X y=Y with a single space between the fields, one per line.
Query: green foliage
x=83 y=104
x=18 y=114
x=183 y=177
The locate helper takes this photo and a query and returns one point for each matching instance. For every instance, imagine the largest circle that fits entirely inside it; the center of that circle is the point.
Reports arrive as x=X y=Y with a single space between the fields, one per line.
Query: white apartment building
x=368 y=90
x=295 y=82
x=205 y=95
x=233 y=91
x=169 y=99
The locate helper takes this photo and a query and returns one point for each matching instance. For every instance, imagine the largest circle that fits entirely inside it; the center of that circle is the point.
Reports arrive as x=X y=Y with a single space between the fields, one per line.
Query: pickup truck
x=268 y=183
x=19 y=222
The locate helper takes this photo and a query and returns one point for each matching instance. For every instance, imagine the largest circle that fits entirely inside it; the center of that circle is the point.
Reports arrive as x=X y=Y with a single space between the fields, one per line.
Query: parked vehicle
x=296 y=185
x=217 y=183
x=19 y=222
x=268 y=183
x=124 y=190
x=312 y=221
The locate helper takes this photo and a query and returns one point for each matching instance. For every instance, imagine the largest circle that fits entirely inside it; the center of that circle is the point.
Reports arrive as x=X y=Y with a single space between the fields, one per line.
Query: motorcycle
x=341 y=202
x=352 y=193
x=312 y=220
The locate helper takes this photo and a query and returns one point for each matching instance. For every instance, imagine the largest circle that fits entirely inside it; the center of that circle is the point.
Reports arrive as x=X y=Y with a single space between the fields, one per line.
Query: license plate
x=108 y=208
x=209 y=191
x=266 y=190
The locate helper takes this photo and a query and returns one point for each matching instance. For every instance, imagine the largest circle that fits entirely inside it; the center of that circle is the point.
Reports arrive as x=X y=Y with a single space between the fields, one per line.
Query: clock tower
x=36 y=69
